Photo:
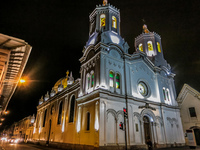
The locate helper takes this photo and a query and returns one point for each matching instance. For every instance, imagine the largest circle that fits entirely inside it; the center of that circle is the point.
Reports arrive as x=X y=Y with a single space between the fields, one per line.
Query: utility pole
x=126 y=102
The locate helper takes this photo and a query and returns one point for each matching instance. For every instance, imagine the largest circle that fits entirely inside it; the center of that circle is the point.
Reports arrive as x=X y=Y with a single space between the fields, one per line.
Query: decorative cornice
x=184 y=91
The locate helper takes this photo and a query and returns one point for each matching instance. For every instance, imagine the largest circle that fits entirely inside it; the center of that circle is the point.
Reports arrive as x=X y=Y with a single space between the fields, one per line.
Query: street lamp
x=22 y=81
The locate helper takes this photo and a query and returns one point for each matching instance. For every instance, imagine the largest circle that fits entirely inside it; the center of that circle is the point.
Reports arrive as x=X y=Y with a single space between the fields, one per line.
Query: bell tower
x=105 y=26
x=150 y=44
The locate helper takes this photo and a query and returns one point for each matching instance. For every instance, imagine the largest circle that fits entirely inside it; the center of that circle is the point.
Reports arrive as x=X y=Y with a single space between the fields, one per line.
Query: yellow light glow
x=2 y=119
x=6 y=112
x=22 y=81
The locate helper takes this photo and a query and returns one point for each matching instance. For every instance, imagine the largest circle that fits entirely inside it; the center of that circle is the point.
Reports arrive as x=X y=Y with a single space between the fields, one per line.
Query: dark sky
x=58 y=30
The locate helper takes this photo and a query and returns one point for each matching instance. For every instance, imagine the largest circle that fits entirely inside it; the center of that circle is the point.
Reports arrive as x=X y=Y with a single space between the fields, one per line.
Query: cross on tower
x=105 y=2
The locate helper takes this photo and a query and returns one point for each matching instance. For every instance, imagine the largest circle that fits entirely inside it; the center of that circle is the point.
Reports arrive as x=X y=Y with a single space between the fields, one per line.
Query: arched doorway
x=147 y=128
x=196 y=130
x=49 y=134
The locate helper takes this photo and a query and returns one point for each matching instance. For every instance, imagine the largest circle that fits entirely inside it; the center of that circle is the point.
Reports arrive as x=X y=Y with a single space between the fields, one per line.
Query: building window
x=60 y=113
x=88 y=121
x=141 y=47
x=167 y=93
x=92 y=84
x=72 y=107
x=136 y=127
x=192 y=112
x=111 y=75
x=118 y=81
x=150 y=48
x=103 y=20
x=164 y=94
x=158 y=46
x=88 y=82
x=114 y=22
x=45 y=114
x=143 y=89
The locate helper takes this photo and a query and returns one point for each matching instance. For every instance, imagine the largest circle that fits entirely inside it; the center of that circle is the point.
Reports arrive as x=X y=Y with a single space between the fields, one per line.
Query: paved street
x=179 y=148
x=9 y=146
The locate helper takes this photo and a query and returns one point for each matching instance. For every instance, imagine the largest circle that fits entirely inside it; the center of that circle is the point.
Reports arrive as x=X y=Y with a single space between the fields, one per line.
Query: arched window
x=114 y=22
x=111 y=79
x=88 y=82
x=103 y=20
x=150 y=48
x=167 y=93
x=88 y=121
x=92 y=84
x=45 y=114
x=164 y=94
x=158 y=46
x=141 y=47
x=118 y=81
x=72 y=107
x=60 y=113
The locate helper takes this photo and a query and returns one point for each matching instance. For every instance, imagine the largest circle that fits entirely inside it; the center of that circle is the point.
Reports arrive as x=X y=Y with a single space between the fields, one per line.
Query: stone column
x=142 y=132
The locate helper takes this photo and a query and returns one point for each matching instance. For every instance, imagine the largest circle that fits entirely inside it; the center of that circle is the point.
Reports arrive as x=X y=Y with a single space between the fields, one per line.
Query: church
x=120 y=100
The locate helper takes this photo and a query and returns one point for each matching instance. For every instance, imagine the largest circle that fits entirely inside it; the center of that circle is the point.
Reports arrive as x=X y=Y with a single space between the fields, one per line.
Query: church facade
x=86 y=113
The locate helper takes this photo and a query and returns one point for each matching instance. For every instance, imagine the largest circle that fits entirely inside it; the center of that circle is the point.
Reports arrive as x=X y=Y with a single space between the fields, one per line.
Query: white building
x=87 y=113
x=189 y=101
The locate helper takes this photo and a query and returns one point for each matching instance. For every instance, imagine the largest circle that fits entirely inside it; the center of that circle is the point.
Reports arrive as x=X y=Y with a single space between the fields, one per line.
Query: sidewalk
x=177 y=148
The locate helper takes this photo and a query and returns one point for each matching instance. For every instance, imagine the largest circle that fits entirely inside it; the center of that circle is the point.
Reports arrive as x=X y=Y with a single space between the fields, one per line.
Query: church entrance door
x=147 y=128
x=197 y=136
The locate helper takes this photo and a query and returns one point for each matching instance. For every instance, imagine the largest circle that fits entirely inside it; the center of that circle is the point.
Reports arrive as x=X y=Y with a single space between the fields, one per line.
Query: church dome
x=63 y=82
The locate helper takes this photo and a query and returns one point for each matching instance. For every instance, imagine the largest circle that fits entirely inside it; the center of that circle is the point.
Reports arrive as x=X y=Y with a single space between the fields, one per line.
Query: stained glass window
x=164 y=94
x=88 y=82
x=114 y=22
x=142 y=88
x=118 y=81
x=158 y=46
x=103 y=20
x=167 y=93
x=92 y=85
x=141 y=47
x=111 y=75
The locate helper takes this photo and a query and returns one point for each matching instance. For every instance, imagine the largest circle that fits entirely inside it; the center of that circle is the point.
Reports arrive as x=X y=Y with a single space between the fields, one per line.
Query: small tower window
x=114 y=22
x=103 y=20
x=60 y=113
x=141 y=47
x=158 y=46
x=111 y=75
x=118 y=81
x=150 y=48
x=92 y=84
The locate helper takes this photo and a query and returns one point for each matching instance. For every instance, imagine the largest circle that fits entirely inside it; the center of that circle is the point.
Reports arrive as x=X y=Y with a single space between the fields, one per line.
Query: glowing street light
x=6 y=112
x=22 y=81
x=2 y=119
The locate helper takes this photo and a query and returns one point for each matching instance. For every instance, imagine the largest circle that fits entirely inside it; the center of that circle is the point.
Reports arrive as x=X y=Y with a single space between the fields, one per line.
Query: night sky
x=58 y=30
